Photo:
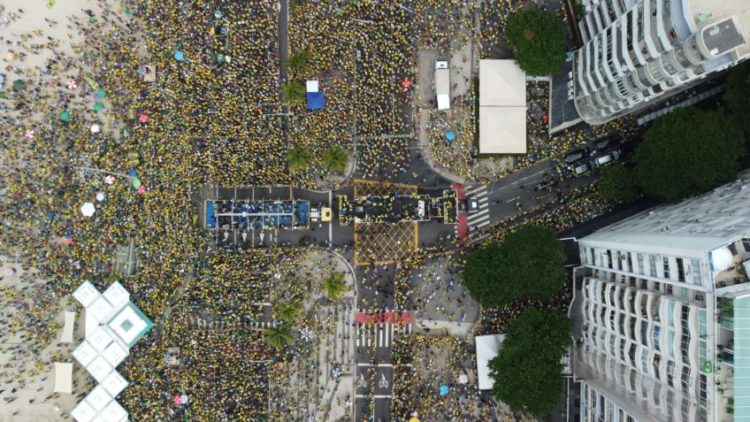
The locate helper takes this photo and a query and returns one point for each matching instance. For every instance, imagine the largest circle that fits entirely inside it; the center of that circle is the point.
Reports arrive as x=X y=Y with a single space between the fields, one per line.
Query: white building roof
x=502 y=107
x=115 y=354
x=114 y=383
x=116 y=295
x=85 y=353
x=487 y=348
x=83 y=412
x=63 y=377
x=86 y=294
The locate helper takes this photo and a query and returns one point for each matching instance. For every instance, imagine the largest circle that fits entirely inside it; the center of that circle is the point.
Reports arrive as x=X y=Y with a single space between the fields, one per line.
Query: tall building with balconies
x=637 y=51
x=662 y=313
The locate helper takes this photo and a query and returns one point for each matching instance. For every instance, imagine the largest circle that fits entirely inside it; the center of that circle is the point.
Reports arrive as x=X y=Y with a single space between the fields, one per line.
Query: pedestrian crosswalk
x=220 y=324
x=379 y=335
x=481 y=217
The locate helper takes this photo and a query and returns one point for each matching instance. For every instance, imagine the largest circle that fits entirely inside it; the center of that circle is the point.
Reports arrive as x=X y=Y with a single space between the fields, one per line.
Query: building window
x=696 y=270
x=665 y=261
x=680 y=270
x=639 y=258
x=609 y=259
x=630 y=262
x=652 y=265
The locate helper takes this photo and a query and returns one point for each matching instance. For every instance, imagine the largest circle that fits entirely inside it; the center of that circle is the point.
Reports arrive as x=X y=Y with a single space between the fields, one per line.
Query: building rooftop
x=710 y=12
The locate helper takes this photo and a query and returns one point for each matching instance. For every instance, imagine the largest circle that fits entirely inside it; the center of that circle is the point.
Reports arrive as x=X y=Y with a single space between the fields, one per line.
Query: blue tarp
x=316 y=100
x=210 y=215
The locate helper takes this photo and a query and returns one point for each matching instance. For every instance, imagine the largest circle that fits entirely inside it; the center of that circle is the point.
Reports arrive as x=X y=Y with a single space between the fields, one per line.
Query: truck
x=442 y=85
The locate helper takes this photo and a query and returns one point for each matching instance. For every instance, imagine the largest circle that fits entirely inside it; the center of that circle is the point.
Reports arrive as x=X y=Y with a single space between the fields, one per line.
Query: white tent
x=88 y=209
x=85 y=353
x=83 y=412
x=114 y=383
x=128 y=325
x=86 y=294
x=312 y=86
x=68 y=328
x=99 y=368
x=63 y=377
x=100 y=339
x=98 y=398
x=113 y=412
x=115 y=354
x=101 y=309
x=116 y=295
x=487 y=348
x=502 y=107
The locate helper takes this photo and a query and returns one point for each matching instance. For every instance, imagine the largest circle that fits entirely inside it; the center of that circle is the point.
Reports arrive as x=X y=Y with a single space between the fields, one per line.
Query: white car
x=607 y=158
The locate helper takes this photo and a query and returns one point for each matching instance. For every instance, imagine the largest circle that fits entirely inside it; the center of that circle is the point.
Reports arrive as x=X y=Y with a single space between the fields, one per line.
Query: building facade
x=654 y=328
x=636 y=51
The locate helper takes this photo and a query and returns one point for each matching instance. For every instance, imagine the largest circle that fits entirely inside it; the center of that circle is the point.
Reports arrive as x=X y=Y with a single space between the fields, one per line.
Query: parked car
x=574 y=156
x=607 y=158
x=582 y=169
x=604 y=143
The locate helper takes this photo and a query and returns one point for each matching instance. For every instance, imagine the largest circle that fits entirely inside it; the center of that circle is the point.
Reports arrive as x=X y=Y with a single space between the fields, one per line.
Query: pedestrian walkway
x=380 y=335
x=481 y=217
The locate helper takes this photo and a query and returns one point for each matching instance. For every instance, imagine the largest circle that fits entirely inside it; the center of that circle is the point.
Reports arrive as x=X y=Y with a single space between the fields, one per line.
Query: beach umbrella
x=143 y=118
x=177 y=400
x=98 y=106
x=179 y=55
x=68 y=239
x=72 y=84
x=450 y=136
x=95 y=128
x=184 y=398
x=136 y=183
x=88 y=209
x=101 y=93
x=444 y=390
x=18 y=84
x=100 y=196
x=30 y=133
x=141 y=190
x=109 y=180
x=65 y=116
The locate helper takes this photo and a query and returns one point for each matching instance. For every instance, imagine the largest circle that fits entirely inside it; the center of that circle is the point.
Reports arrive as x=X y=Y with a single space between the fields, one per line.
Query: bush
x=616 y=184
x=536 y=39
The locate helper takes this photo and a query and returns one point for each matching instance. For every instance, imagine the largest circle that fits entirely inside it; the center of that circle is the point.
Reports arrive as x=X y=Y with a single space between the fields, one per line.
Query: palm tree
x=334 y=286
x=299 y=62
x=288 y=313
x=278 y=337
x=292 y=93
x=336 y=159
x=298 y=158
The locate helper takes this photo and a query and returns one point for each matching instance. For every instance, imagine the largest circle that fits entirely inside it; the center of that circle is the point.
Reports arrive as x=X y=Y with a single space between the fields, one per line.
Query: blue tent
x=316 y=101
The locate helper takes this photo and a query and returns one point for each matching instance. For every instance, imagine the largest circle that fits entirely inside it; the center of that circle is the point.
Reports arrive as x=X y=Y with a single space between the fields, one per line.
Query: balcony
x=731 y=265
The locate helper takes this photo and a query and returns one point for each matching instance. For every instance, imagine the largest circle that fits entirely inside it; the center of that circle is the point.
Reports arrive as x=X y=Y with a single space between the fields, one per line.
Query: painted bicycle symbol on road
x=383 y=383
x=361 y=381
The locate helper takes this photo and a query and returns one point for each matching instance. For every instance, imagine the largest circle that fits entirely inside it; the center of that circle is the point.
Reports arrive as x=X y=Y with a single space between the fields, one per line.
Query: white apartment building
x=662 y=310
x=636 y=51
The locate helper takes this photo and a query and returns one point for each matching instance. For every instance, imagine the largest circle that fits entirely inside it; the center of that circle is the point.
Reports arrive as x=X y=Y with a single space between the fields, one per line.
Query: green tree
x=278 y=337
x=527 y=370
x=737 y=95
x=336 y=159
x=616 y=184
x=292 y=93
x=334 y=286
x=289 y=313
x=298 y=158
x=299 y=62
x=535 y=36
x=528 y=264
x=688 y=152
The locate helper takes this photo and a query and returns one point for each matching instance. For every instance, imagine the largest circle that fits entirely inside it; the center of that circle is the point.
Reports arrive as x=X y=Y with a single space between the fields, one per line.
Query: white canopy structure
x=63 y=377
x=113 y=325
x=88 y=209
x=487 y=348
x=68 y=327
x=312 y=86
x=502 y=107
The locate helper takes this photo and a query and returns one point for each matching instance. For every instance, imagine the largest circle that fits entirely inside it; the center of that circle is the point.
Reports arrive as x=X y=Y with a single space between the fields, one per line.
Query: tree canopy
x=616 y=184
x=737 y=95
x=528 y=264
x=298 y=158
x=336 y=159
x=536 y=39
x=688 y=152
x=527 y=370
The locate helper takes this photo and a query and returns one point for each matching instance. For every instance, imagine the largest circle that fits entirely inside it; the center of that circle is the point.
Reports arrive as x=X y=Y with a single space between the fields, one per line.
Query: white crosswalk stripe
x=380 y=335
x=481 y=218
